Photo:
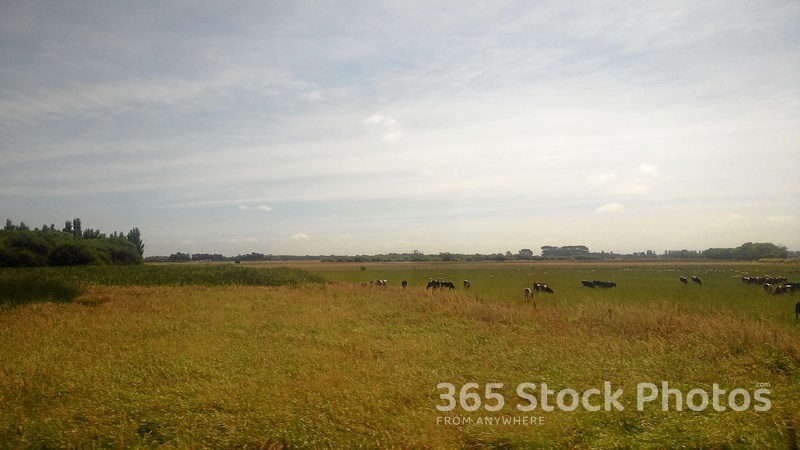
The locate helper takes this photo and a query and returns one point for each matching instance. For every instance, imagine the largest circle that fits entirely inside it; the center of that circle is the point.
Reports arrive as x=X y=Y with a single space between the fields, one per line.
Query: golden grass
x=341 y=366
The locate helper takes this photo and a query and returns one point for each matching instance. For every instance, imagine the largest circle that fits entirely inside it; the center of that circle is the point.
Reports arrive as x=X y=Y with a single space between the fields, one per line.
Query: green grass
x=639 y=283
x=28 y=286
x=344 y=366
x=64 y=284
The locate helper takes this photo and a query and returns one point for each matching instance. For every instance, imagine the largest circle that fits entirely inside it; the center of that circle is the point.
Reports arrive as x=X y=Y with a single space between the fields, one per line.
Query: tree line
x=746 y=252
x=21 y=246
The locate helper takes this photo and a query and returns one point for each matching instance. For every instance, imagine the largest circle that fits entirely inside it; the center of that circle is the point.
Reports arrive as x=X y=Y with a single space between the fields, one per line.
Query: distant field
x=338 y=365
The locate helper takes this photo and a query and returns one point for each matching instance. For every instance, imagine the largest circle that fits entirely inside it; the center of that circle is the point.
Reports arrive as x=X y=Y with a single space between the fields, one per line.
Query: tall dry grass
x=341 y=366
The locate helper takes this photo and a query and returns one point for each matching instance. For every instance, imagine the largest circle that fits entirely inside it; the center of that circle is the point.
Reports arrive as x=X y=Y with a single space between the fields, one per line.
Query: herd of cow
x=774 y=285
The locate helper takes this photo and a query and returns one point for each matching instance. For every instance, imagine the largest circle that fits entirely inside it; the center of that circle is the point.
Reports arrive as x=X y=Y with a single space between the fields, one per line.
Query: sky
x=363 y=127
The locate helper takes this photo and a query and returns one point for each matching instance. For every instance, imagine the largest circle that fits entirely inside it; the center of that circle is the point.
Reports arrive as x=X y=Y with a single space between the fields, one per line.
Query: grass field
x=336 y=365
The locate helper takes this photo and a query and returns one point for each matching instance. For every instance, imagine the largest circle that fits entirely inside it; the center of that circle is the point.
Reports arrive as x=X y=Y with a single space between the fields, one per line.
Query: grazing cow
x=448 y=284
x=466 y=284
x=433 y=284
x=541 y=287
x=587 y=283
x=404 y=284
x=797 y=312
x=696 y=279
x=684 y=281
x=767 y=287
x=787 y=288
x=604 y=284
x=527 y=293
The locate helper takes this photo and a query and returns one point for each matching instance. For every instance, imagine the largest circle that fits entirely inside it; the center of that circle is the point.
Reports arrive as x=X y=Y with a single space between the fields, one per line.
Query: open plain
x=345 y=364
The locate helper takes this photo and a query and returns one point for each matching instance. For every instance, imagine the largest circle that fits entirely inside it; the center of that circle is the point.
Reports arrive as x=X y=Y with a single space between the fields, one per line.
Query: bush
x=74 y=254
x=26 y=248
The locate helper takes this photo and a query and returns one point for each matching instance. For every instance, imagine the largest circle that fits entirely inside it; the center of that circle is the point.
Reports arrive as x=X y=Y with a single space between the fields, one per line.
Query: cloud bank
x=393 y=127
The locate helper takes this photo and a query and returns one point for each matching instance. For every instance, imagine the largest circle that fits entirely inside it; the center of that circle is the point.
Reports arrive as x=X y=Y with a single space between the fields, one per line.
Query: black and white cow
x=696 y=279
x=404 y=284
x=604 y=284
x=587 y=283
x=541 y=287
x=466 y=284
x=527 y=293
x=787 y=288
x=684 y=280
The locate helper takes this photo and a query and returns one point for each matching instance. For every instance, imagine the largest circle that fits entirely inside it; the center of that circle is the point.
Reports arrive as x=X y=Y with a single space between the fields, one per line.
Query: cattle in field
x=696 y=279
x=541 y=287
x=435 y=284
x=767 y=287
x=787 y=288
x=684 y=280
x=466 y=284
x=604 y=284
x=587 y=283
x=527 y=293
x=404 y=284
x=764 y=279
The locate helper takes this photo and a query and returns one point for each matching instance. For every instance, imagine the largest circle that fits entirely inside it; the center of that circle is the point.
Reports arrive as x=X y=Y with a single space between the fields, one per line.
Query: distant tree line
x=747 y=252
x=21 y=246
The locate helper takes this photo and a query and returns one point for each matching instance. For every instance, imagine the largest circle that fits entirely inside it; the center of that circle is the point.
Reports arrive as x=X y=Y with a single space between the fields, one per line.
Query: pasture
x=307 y=364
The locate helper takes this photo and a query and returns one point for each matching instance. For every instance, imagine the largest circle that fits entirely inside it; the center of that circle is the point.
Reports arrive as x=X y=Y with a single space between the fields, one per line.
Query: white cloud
x=244 y=207
x=649 y=170
x=602 y=178
x=299 y=237
x=611 y=207
x=389 y=127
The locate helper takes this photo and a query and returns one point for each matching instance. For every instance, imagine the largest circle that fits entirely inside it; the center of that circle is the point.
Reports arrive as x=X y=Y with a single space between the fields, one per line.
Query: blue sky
x=376 y=127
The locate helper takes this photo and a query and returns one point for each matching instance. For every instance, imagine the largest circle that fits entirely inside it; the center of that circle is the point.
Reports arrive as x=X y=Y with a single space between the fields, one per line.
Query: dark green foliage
x=208 y=275
x=37 y=248
x=752 y=252
x=74 y=253
x=136 y=238
x=21 y=286
x=63 y=284
x=747 y=252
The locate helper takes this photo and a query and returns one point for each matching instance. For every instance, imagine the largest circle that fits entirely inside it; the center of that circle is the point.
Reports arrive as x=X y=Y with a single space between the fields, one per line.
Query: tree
x=755 y=251
x=526 y=253
x=76 y=228
x=136 y=237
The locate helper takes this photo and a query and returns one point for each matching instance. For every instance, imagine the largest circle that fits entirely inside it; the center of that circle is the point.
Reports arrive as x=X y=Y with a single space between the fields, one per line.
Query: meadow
x=214 y=356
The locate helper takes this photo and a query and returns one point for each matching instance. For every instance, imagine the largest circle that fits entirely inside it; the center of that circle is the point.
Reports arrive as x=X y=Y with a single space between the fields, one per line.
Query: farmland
x=179 y=356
